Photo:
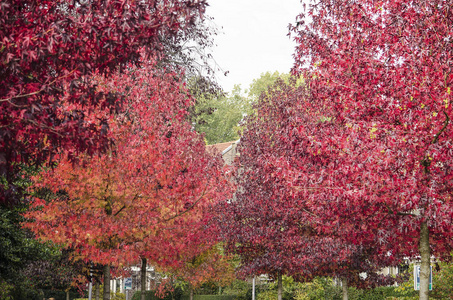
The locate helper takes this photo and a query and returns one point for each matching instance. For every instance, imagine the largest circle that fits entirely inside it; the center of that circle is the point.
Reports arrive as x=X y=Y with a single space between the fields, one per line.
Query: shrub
x=210 y=297
x=319 y=288
x=151 y=295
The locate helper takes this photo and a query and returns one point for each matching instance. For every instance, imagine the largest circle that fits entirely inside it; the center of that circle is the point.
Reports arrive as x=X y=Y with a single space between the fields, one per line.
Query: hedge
x=209 y=297
x=150 y=295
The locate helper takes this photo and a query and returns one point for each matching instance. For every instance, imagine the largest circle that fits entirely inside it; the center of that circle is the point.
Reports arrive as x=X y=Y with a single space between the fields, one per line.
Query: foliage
x=218 y=117
x=210 y=297
x=260 y=85
x=114 y=295
x=240 y=289
x=187 y=50
x=117 y=296
x=20 y=252
x=442 y=281
x=274 y=224
x=152 y=295
x=269 y=291
x=25 y=263
x=378 y=157
x=49 y=51
x=406 y=288
x=59 y=295
x=211 y=266
x=13 y=243
x=56 y=272
x=319 y=288
x=5 y=290
x=378 y=293
x=148 y=195
x=389 y=81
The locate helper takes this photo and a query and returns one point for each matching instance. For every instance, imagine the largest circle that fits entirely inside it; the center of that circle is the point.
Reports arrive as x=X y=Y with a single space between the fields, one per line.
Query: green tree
x=18 y=251
x=219 y=116
x=262 y=83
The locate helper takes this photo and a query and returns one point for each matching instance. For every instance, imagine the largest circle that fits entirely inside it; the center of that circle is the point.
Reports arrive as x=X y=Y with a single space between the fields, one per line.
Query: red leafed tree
x=48 y=52
x=382 y=72
x=142 y=197
x=281 y=220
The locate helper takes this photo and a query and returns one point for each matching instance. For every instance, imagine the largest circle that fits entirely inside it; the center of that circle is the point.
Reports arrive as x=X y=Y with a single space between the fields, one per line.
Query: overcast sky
x=254 y=38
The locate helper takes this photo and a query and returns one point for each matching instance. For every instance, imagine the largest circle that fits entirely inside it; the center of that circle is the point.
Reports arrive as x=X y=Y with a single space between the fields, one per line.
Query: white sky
x=254 y=38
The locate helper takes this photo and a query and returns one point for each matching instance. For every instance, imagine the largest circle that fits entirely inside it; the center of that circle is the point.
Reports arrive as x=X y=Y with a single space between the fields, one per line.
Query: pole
x=90 y=285
x=253 y=288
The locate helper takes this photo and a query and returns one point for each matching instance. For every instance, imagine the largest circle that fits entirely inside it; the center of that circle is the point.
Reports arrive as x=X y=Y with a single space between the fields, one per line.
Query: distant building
x=228 y=151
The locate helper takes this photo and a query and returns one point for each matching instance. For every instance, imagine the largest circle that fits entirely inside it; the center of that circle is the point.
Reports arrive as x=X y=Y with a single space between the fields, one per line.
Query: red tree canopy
x=381 y=72
x=284 y=222
x=145 y=195
x=48 y=52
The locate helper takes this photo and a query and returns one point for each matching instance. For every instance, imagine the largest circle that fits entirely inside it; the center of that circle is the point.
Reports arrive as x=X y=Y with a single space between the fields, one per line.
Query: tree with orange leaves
x=142 y=198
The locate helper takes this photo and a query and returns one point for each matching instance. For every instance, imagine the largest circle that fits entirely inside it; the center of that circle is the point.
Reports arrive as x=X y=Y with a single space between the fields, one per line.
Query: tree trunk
x=106 y=295
x=67 y=295
x=280 y=286
x=96 y=293
x=344 y=284
x=191 y=293
x=143 y=279
x=425 y=267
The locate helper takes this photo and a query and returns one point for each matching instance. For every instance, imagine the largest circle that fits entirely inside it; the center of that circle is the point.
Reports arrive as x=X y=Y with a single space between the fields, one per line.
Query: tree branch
x=33 y=93
x=447 y=120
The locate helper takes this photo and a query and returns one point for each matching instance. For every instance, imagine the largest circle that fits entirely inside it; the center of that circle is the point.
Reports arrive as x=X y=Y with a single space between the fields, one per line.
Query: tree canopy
x=146 y=195
x=280 y=227
x=381 y=73
x=49 y=51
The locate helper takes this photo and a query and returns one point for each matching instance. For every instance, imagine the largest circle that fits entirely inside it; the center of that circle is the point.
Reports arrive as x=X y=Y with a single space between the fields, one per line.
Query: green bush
x=60 y=295
x=239 y=289
x=151 y=295
x=113 y=296
x=5 y=290
x=324 y=288
x=209 y=297
x=22 y=290
x=319 y=288
x=379 y=293
x=442 y=281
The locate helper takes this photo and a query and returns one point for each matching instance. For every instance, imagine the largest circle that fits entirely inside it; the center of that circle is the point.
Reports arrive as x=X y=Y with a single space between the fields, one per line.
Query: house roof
x=219 y=148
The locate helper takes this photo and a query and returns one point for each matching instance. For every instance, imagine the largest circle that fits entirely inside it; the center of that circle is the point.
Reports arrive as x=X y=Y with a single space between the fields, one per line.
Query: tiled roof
x=219 y=148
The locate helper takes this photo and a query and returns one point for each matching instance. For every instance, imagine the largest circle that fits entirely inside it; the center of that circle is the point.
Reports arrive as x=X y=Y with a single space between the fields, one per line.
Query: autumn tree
x=381 y=71
x=281 y=221
x=49 y=51
x=140 y=198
